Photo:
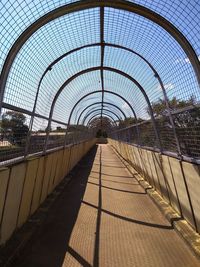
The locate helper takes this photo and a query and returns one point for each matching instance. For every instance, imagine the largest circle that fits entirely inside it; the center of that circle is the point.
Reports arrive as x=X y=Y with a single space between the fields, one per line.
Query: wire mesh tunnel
x=68 y=65
x=113 y=88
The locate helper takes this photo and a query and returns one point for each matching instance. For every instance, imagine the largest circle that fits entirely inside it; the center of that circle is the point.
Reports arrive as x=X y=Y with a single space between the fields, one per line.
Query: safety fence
x=175 y=180
x=181 y=138
x=18 y=140
x=24 y=186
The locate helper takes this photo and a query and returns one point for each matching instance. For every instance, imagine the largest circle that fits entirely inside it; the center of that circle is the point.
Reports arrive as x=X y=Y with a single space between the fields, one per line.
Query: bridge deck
x=104 y=218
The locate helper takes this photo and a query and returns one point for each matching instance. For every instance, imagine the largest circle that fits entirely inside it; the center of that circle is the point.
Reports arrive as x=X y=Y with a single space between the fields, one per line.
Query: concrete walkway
x=104 y=218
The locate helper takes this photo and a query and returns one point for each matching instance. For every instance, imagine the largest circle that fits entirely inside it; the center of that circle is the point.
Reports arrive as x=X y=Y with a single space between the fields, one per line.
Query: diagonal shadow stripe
x=119 y=190
x=78 y=257
x=154 y=225
x=106 y=174
x=116 y=182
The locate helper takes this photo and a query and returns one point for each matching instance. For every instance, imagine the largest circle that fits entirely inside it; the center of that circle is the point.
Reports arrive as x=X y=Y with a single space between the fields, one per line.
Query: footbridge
x=100 y=133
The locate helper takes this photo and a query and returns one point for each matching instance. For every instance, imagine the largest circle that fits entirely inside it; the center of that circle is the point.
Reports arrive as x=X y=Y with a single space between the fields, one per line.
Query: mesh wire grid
x=30 y=89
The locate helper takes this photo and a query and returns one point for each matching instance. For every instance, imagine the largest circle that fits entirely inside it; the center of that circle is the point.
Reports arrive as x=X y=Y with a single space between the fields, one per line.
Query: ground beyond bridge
x=105 y=218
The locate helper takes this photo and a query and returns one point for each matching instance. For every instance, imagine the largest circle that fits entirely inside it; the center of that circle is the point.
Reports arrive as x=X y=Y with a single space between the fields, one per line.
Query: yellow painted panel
x=13 y=200
x=47 y=173
x=4 y=176
x=28 y=188
x=192 y=175
x=153 y=175
x=38 y=185
x=149 y=167
x=146 y=167
x=58 y=174
x=161 y=178
x=181 y=189
x=170 y=182
x=66 y=161
x=70 y=158
x=53 y=170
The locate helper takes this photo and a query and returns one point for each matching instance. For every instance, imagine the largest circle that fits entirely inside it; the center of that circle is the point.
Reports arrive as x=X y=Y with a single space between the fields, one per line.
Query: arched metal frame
x=78 y=6
x=112 y=93
x=99 y=91
x=117 y=4
x=94 y=69
x=156 y=75
x=49 y=68
x=103 y=44
x=86 y=95
x=112 y=70
x=102 y=55
x=99 y=114
x=108 y=125
x=100 y=103
x=104 y=109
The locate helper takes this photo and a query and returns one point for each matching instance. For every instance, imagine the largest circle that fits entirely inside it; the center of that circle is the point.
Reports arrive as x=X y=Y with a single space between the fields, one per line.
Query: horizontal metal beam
x=28 y=112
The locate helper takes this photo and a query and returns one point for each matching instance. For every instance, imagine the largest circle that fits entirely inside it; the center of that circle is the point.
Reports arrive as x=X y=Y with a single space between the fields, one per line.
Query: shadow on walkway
x=50 y=243
x=54 y=245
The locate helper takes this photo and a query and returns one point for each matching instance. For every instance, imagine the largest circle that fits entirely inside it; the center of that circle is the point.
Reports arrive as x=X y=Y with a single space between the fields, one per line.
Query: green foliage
x=129 y=121
x=186 y=120
x=159 y=107
x=13 y=127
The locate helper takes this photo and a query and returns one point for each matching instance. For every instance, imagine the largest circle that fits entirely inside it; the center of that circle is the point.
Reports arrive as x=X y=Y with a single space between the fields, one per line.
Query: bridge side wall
x=178 y=182
x=25 y=186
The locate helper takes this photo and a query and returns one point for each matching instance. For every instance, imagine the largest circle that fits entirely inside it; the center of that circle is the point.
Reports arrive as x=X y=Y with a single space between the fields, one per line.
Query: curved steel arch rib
x=111 y=124
x=49 y=68
x=112 y=70
x=82 y=5
x=95 y=69
x=100 y=103
x=99 y=91
x=99 y=114
x=100 y=44
x=104 y=108
x=99 y=109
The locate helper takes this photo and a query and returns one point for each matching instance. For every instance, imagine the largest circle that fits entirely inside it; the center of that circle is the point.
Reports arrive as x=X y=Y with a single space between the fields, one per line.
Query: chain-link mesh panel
x=38 y=135
x=158 y=47
x=13 y=134
x=184 y=15
x=187 y=125
x=167 y=110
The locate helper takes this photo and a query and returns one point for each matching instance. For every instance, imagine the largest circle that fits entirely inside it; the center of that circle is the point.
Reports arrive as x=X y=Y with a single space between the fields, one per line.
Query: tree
x=14 y=127
x=159 y=107
x=186 y=117
x=129 y=121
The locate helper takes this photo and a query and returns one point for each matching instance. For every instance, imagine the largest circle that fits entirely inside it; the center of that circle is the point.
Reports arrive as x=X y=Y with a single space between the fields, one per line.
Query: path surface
x=104 y=218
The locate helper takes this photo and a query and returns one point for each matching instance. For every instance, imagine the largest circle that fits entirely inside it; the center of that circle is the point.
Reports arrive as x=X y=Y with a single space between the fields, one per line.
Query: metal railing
x=187 y=127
